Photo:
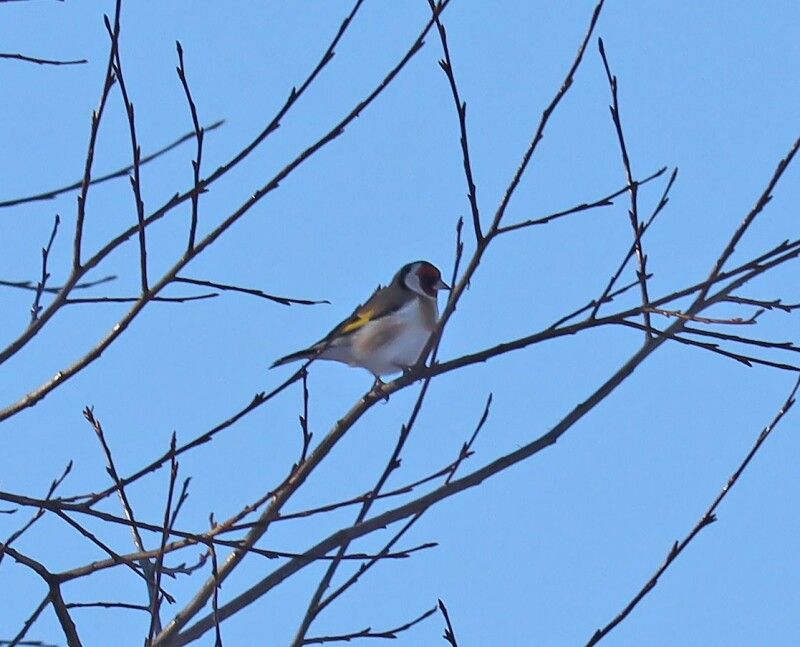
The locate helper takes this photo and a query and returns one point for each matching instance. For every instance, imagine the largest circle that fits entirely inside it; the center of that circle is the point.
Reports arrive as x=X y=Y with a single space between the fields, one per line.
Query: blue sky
x=544 y=553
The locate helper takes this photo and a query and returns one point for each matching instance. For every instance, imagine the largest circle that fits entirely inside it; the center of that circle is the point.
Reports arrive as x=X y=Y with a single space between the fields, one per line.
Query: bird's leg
x=377 y=384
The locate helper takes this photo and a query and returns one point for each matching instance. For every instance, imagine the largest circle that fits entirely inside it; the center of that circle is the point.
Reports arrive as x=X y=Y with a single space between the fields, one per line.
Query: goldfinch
x=388 y=333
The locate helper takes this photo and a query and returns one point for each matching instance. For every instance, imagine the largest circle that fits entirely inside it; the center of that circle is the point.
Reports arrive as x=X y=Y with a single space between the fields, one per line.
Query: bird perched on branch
x=388 y=333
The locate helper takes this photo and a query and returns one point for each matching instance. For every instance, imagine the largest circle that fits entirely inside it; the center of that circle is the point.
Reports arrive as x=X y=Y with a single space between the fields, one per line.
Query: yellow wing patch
x=359 y=320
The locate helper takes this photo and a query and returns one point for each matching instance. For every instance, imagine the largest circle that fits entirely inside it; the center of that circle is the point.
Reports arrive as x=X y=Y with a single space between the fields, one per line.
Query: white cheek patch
x=413 y=283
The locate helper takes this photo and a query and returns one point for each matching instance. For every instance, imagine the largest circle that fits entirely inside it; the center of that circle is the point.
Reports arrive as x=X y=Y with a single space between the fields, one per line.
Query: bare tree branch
x=41 y=61
x=38 y=514
x=108 y=82
x=155 y=600
x=124 y=171
x=369 y=633
x=708 y=517
x=449 y=632
x=62 y=376
x=287 y=301
x=30 y=285
x=687 y=311
x=643 y=228
x=606 y=201
x=40 y=286
x=111 y=468
x=107 y=605
x=135 y=177
x=19 y=638
x=461 y=109
x=196 y=297
x=633 y=189
x=460 y=286
x=762 y=202
x=199 y=135
x=54 y=598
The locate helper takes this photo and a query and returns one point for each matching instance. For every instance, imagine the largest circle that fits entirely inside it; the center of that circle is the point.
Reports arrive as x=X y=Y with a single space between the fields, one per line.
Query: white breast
x=394 y=343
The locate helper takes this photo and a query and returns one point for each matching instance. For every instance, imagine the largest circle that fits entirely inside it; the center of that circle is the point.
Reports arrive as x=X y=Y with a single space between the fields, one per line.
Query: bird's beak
x=441 y=285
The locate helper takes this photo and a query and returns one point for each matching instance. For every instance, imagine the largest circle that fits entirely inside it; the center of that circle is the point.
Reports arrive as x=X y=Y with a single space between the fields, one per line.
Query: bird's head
x=423 y=278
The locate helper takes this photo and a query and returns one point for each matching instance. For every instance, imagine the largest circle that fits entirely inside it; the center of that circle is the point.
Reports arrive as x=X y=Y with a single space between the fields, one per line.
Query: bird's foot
x=377 y=389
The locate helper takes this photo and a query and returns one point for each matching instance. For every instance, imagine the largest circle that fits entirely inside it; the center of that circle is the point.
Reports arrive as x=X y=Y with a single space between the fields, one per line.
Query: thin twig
x=317 y=604
x=461 y=109
x=19 y=638
x=199 y=135
x=591 y=305
x=42 y=61
x=762 y=202
x=708 y=517
x=465 y=451
x=104 y=547
x=287 y=301
x=731 y=321
x=307 y=435
x=155 y=599
x=30 y=285
x=111 y=468
x=459 y=251
x=135 y=178
x=40 y=286
x=97 y=115
x=108 y=605
x=747 y=360
x=369 y=633
x=606 y=201
x=775 y=304
x=38 y=514
x=405 y=489
x=449 y=632
x=632 y=249
x=774 y=345
x=633 y=188
x=215 y=597
x=83 y=300
x=257 y=400
x=548 y=111
x=122 y=172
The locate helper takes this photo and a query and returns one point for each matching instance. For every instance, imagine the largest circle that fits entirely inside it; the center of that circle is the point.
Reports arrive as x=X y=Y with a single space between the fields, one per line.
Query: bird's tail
x=306 y=353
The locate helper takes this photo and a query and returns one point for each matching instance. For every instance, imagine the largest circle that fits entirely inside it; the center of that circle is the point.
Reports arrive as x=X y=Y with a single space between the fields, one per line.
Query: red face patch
x=428 y=273
x=429 y=277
